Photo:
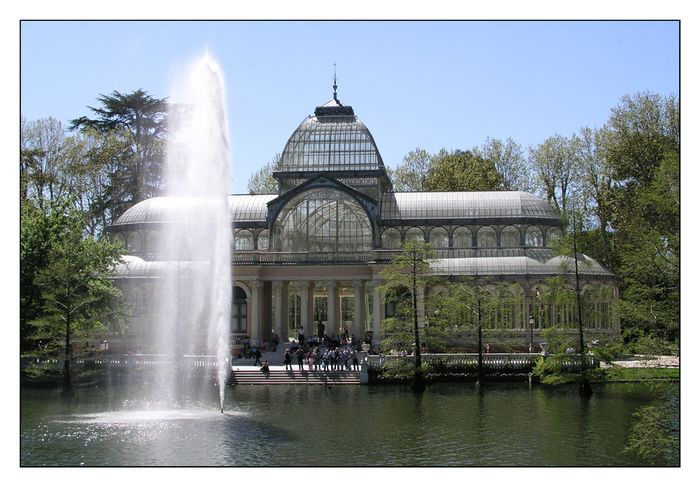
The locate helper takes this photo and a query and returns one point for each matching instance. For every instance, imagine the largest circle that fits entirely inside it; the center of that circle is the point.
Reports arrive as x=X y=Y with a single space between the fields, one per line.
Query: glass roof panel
x=330 y=143
x=475 y=204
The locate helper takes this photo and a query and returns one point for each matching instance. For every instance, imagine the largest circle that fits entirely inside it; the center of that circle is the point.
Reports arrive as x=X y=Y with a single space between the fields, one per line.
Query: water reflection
x=451 y=424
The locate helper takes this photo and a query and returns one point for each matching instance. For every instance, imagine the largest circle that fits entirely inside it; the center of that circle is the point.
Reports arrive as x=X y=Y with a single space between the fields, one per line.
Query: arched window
x=323 y=220
x=553 y=234
x=391 y=238
x=533 y=237
x=263 y=240
x=239 y=311
x=510 y=237
x=462 y=238
x=439 y=238
x=415 y=234
x=486 y=237
x=243 y=240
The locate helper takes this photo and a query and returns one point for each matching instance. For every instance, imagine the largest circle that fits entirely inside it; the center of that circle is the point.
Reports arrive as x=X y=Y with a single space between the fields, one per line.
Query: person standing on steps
x=257 y=355
x=301 y=335
x=287 y=359
x=321 y=330
x=300 y=358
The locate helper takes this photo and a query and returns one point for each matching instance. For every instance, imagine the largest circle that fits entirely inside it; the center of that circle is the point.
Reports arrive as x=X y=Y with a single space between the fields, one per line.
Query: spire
x=335 y=85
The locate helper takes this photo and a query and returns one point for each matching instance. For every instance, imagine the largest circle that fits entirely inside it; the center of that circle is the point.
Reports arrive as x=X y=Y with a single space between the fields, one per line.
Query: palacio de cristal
x=313 y=252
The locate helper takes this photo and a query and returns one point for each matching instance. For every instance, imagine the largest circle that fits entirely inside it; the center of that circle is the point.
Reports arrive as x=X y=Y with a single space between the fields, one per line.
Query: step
x=349 y=377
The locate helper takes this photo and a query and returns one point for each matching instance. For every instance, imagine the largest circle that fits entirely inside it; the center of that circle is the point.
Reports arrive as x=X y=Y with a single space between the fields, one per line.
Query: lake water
x=450 y=425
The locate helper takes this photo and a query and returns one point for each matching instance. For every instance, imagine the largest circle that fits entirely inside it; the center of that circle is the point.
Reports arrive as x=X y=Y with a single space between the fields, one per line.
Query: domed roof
x=472 y=204
x=333 y=139
x=520 y=265
x=165 y=209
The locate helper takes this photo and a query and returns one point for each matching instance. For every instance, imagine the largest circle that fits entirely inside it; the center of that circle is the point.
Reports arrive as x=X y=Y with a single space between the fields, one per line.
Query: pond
x=507 y=424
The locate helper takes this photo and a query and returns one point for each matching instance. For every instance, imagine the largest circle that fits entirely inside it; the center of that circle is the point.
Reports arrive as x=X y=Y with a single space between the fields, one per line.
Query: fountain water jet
x=193 y=298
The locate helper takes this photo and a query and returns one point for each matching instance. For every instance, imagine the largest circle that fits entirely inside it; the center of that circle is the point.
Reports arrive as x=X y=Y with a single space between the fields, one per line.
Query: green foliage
x=66 y=281
x=557 y=171
x=509 y=161
x=644 y=153
x=38 y=232
x=462 y=171
x=138 y=121
x=640 y=374
x=407 y=272
x=398 y=370
x=609 y=351
x=655 y=434
x=648 y=344
x=262 y=181
x=411 y=174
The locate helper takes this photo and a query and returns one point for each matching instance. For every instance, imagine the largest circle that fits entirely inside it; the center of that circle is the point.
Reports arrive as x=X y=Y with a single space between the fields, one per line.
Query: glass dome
x=333 y=139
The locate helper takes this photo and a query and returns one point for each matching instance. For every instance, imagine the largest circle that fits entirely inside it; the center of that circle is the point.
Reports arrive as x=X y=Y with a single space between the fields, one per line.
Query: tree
x=411 y=174
x=74 y=169
x=408 y=272
x=462 y=171
x=643 y=151
x=655 y=434
x=139 y=120
x=557 y=172
x=74 y=285
x=38 y=231
x=509 y=161
x=262 y=182
x=596 y=187
x=44 y=167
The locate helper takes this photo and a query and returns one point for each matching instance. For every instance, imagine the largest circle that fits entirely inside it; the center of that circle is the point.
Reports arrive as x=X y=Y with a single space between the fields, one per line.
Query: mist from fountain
x=193 y=297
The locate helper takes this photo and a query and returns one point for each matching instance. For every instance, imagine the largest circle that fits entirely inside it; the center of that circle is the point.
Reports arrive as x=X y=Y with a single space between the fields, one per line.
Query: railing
x=489 y=360
x=132 y=360
x=375 y=255
x=264 y=257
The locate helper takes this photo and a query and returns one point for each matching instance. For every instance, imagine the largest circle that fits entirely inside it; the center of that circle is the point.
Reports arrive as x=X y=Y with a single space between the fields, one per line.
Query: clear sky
x=428 y=84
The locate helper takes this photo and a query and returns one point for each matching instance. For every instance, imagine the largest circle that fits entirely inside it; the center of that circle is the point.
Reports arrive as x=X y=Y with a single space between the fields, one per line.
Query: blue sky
x=415 y=84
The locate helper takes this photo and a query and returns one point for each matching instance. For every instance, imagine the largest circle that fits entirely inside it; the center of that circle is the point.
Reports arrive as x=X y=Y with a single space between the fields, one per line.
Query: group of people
x=323 y=358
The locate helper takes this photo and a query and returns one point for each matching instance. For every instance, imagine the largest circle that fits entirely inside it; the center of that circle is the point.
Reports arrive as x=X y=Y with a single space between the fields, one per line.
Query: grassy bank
x=623 y=374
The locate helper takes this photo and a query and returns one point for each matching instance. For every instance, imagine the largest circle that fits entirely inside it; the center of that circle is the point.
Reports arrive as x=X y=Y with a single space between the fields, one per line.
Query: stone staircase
x=273 y=358
x=253 y=376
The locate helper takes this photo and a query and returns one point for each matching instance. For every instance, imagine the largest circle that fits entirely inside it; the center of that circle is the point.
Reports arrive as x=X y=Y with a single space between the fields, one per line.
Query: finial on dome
x=335 y=85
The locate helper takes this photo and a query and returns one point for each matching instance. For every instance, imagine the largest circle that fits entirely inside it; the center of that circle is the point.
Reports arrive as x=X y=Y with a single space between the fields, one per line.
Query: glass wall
x=323 y=220
x=533 y=237
x=243 y=240
x=415 y=234
x=462 y=238
x=510 y=237
x=439 y=238
x=391 y=238
x=263 y=240
x=486 y=237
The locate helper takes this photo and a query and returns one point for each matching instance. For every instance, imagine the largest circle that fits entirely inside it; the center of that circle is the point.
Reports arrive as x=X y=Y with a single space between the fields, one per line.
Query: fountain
x=193 y=300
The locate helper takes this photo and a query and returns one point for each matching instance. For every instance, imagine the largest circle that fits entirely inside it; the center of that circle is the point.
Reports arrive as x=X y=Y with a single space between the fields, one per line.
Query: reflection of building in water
x=313 y=252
